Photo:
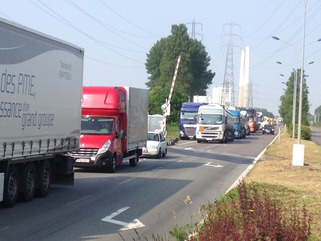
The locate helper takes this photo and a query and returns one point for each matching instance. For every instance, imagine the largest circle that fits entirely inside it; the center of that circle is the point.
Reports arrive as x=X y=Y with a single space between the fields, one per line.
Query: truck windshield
x=97 y=125
x=236 y=119
x=188 y=115
x=210 y=119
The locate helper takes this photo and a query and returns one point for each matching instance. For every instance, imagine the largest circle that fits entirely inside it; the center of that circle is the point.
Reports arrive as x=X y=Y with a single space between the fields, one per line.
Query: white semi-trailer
x=40 y=111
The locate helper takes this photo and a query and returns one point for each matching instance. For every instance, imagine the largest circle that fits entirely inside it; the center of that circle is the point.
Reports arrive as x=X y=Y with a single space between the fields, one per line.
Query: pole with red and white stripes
x=173 y=83
x=168 y=102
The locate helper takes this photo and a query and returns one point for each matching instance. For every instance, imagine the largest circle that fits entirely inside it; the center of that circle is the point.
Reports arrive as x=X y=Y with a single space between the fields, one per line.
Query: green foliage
x=178 y=233
x=192 y=78
x=306 y=132
x=157 y=97
x=265 y=112
x=286 y=107
x=253 y=215
x=172 y=131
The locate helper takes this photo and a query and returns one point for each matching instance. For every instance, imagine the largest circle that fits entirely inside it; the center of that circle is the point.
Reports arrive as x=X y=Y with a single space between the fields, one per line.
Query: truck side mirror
x=196 y=118
x=121 y=134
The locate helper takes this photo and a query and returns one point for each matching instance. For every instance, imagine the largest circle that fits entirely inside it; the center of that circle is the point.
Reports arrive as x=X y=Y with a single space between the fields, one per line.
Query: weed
x=253 y=215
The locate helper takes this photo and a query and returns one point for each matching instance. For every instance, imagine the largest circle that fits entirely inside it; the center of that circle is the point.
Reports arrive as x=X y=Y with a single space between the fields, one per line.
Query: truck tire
x=164 y=153
x=28 y=182
x=133 y=161
x=231 y=138
x=225 y=138
x=44 y=179
x=159 y=154
x=111 y=167
x=11 y=187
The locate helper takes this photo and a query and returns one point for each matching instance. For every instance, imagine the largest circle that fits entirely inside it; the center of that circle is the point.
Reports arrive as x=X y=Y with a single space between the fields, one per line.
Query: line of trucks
x=213 y=122
x=50 y=123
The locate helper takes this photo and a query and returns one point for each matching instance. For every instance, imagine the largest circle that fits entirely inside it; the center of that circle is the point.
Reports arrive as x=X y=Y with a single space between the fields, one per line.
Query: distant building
x=217 y=94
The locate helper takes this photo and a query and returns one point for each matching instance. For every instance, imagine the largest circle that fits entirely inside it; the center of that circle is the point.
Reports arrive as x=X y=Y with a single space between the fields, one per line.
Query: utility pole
x=193 y=33
x=227 y=97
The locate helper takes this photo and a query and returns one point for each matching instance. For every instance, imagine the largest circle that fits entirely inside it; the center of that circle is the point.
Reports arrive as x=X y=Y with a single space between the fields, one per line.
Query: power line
x=58 y=17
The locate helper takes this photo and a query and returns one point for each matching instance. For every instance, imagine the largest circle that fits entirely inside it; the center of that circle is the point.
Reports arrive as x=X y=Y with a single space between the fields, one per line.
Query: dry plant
x=292 y=184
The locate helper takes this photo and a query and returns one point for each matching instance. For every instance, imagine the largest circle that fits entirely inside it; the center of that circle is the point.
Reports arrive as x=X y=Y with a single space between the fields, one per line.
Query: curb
x=250 y=167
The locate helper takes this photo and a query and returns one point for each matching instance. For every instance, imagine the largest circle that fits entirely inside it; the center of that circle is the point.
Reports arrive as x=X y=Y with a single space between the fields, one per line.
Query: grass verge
x=291 y=187
x=289 y=184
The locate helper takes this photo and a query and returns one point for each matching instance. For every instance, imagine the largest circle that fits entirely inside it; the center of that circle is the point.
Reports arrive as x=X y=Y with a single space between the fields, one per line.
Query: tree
x=193 y=78
x=286 y=107
x=158 y=93
x=265 y=112
x=317 y=115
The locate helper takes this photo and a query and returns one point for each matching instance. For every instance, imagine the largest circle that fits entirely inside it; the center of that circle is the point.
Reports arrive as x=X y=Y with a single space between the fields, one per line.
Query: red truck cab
x=103 y=139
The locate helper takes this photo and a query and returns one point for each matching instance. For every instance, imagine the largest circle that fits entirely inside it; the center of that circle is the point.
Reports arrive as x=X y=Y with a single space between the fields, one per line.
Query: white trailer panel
x=137 y=117
x=40 y=93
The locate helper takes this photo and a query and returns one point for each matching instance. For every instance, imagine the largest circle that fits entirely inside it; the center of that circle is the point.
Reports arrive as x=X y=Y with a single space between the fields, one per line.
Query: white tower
x=244 y=81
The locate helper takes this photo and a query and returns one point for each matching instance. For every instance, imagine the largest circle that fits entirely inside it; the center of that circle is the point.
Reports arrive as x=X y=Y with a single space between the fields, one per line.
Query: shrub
x=306 y=132
x=253 y=216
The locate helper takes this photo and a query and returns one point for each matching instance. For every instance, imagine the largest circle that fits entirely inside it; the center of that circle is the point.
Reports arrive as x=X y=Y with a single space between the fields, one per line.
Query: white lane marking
x=185 y=143
x=126 y=181
x=126 y=226
x=210 y=165
x=78 y=200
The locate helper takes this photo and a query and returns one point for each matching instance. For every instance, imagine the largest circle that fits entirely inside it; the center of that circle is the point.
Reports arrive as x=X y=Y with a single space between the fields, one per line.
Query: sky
x=117 y=35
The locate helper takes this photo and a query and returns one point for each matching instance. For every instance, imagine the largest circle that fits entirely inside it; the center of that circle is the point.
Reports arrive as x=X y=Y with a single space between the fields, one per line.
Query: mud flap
x=64 y=171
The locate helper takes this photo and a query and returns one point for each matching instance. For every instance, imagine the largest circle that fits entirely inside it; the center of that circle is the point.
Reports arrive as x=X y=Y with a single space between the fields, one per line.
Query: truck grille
x=190 y=131
x=209 y=134
x=85 y=152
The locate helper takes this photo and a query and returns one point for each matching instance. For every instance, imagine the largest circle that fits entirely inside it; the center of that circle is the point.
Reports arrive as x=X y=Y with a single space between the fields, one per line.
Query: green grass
x=172 y=131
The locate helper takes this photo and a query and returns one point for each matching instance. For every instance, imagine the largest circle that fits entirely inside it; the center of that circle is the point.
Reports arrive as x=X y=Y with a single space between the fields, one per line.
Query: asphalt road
x=147 y=200
x=316 y=135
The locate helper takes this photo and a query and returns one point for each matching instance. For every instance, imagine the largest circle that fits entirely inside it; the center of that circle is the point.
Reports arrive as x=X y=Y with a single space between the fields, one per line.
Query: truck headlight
x=104 y=148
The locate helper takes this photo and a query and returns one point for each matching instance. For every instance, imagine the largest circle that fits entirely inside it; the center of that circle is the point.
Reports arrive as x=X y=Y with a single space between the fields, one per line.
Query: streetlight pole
x=294 y=95
x=298 y=149
x=295 y=84
x=302 y=75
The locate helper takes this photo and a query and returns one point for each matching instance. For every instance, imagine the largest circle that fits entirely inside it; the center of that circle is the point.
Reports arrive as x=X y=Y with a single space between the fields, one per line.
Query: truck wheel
x=164 y=153
x=28 y=182
x=133 y=161
x=159 y=154
x=11 y=187
x=232 y=137
x=111 y=167
x=44 y=179
x=225 y=138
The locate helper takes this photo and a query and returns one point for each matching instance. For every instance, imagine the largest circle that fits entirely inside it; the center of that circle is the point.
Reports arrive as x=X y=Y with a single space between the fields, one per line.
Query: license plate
x=83 y=160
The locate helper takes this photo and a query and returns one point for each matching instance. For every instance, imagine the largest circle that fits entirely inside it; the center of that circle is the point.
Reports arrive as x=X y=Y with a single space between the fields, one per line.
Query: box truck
x=40 y=109
x=113 y=126
x=214 y=123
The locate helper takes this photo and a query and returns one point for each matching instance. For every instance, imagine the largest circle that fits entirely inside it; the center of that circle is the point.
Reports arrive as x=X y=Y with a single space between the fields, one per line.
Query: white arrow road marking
x=209 y=164
x=189 y=148
x=126 y=226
